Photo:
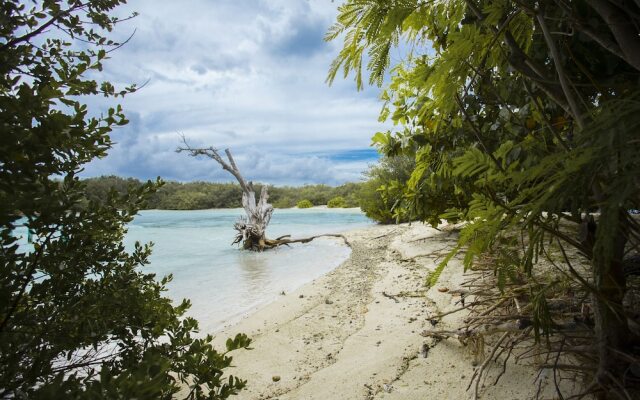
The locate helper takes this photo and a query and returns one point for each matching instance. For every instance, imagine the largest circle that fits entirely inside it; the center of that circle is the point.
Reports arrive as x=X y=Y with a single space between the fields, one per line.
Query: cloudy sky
x=248 y=75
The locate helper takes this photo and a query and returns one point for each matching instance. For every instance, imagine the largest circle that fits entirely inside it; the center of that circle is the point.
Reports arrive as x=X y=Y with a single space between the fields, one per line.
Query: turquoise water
x=223 y=282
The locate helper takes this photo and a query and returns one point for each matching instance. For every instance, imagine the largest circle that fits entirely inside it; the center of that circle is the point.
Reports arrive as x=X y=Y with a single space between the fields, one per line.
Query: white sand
x=340 y=337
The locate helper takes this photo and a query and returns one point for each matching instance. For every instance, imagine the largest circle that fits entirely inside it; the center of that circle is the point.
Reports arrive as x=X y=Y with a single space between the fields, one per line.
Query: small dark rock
x=424 y=351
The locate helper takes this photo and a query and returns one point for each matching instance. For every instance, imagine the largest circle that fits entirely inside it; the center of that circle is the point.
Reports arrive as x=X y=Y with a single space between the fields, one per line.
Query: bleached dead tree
x=252 y=227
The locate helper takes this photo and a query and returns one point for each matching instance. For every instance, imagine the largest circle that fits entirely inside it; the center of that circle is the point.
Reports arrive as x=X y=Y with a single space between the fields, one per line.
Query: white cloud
x=249 y=75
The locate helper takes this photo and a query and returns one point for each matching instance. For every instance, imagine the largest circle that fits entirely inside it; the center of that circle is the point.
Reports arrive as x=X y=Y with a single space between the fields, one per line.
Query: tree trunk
x=252 y=228
x=611 y=328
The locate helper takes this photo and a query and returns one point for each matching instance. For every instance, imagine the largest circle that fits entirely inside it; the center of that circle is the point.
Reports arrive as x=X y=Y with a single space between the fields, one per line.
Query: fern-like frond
x=472 y=163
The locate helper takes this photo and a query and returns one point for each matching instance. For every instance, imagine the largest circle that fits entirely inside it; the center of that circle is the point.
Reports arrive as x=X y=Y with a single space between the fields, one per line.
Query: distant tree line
x=202 y=195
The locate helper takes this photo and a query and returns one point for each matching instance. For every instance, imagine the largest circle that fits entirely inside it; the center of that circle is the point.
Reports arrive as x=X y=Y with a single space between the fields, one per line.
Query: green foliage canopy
x=78 y=317
x=520 y=116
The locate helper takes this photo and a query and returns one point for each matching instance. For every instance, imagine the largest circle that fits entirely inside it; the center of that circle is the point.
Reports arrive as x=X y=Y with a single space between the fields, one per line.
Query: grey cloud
x=231 y=134
x=199 y=69
x=303 y=40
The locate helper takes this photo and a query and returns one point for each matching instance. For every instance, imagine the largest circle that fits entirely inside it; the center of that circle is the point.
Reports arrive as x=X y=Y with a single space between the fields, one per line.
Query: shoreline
x=317 y=208
x=354 y=333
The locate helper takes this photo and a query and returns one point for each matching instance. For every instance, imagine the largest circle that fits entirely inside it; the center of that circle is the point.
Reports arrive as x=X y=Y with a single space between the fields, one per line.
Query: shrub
x=304 y=204
x=381 y=197
x=337 y=202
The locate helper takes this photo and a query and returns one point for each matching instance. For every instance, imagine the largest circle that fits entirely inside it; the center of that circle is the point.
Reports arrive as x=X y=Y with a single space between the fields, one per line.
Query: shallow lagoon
x=223 y=282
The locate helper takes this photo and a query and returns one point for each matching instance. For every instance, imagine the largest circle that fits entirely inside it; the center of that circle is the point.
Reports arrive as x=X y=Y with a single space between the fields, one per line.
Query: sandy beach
x=354 y=333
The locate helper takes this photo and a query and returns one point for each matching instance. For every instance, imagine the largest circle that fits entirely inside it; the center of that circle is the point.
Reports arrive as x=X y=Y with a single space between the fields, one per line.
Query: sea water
x=224 y=282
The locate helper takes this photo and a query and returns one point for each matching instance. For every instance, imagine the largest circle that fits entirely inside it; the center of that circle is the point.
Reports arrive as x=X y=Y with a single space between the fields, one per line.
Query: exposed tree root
x=283 y=241
x=260 y=244
x=389 y=296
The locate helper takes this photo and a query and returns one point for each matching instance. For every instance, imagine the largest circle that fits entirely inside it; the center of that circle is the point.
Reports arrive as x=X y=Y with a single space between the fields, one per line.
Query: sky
x=248 y=75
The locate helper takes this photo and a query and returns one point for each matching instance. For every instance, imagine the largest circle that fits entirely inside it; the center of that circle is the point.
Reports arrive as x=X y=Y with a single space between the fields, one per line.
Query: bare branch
x=213 y=154
x=564 y=81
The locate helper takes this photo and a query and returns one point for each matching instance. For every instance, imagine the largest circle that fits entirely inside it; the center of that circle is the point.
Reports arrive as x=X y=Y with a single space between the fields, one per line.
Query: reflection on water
x=224 y=282
x=254 y=272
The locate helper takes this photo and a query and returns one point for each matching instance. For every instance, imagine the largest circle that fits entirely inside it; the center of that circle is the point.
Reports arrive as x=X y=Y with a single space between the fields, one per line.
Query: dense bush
x=381 y=197
x=304 y=204
x=337 y=202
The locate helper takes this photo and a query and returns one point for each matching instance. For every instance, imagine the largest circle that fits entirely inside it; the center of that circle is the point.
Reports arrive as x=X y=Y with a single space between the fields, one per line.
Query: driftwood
x=252 y=227
x=283 y=240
